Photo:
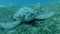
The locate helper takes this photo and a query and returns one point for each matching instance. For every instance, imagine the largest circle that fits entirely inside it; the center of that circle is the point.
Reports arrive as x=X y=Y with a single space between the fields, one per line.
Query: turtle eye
x=31 y=13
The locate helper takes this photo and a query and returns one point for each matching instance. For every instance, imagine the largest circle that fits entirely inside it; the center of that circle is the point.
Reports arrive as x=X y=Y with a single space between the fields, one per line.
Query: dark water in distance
x=25 y=2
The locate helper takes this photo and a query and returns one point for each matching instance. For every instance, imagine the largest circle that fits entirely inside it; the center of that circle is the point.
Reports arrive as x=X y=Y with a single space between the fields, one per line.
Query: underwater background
x=25 y=2
x=50 y=26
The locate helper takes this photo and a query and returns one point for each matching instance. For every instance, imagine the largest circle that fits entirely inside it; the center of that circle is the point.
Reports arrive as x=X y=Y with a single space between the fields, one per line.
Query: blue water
x=25 y=2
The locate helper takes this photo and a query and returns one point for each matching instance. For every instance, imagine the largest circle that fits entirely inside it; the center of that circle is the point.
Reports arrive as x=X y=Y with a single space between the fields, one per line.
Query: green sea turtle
x=26 y=14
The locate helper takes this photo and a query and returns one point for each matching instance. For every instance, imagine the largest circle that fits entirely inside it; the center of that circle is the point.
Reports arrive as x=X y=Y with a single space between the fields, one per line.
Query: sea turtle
x=26 y=14
x=22 y=15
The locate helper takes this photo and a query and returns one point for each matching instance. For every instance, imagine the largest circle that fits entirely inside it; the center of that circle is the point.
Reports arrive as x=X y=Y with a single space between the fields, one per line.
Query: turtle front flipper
x=9 y=25
x=45 y=14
